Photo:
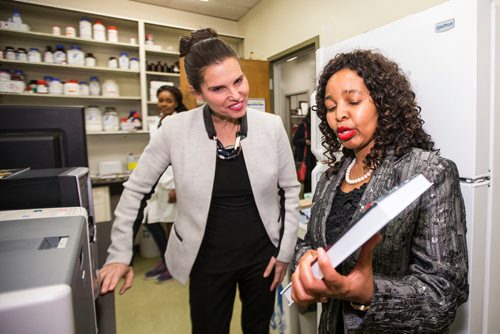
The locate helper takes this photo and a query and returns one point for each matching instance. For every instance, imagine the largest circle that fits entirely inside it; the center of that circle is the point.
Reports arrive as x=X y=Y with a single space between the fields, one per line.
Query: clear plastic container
x=94 y=86
x=99 y=31
x=110 y=88
x=93 y=118
x=110 y=120
x=132 y=162
x=85 y=28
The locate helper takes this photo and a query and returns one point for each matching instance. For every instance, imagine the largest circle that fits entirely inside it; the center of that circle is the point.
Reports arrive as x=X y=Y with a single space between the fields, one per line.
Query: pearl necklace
x=359 y=179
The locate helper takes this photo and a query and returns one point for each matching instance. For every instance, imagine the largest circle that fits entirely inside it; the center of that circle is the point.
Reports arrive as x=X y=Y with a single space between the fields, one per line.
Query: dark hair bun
x=186 y=42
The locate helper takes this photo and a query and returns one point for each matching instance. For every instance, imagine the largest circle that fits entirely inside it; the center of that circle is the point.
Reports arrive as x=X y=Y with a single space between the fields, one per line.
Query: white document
x=377 y=214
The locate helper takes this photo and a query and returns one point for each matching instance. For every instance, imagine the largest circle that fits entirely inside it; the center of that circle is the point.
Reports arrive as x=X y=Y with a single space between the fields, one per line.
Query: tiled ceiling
x=224 y=9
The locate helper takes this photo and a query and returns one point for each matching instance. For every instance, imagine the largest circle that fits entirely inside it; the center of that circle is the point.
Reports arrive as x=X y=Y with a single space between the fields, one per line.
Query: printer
x=46 y=282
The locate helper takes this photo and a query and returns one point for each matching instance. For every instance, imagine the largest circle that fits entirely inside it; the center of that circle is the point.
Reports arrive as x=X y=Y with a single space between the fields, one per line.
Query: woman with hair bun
x=237 y=196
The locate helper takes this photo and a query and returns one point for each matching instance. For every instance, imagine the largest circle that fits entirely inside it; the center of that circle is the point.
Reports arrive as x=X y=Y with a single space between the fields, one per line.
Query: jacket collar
x=210 y=128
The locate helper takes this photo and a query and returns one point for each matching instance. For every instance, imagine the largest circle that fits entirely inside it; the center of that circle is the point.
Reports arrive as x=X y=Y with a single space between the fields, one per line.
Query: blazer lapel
x=383 y=180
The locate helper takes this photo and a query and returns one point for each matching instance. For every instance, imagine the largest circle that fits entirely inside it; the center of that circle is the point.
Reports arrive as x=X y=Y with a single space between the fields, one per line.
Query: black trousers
x=211 y=299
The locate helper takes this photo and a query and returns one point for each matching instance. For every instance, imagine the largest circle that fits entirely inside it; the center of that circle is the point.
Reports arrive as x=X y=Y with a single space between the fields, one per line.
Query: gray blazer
x=420 y=266
x=183 y=143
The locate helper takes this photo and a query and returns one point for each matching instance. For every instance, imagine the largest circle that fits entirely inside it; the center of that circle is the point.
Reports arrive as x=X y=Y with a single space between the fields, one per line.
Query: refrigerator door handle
x=479 y=179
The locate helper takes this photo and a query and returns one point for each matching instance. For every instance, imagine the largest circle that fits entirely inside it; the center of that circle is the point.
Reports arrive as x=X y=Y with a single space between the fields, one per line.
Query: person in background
x=237 y=196
x=161 y=206
x=302 y=142
x=412 y=277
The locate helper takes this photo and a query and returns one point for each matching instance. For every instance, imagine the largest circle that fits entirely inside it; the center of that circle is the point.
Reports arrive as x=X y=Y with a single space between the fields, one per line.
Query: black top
x=343 y=208
x=235 y=236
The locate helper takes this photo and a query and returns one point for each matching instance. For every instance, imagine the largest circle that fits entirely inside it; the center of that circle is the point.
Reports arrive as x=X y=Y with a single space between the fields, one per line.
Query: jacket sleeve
x=426 y=297
x=137 y=190
x=287 y=181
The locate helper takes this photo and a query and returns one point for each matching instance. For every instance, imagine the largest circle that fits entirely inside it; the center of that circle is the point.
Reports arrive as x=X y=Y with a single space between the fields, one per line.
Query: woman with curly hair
x=411 y=277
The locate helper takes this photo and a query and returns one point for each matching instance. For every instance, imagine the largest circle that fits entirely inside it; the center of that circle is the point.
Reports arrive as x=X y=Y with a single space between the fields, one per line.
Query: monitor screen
x=42 y=137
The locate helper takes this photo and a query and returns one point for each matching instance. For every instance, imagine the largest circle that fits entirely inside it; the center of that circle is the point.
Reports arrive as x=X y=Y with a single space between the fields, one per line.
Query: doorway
x=293 y=74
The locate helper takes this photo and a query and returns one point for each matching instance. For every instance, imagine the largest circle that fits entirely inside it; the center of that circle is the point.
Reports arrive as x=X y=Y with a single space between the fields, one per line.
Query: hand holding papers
x=376 y=216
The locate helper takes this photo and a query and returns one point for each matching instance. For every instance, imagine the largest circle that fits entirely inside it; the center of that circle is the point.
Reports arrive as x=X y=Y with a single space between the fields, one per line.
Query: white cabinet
x=134 y=85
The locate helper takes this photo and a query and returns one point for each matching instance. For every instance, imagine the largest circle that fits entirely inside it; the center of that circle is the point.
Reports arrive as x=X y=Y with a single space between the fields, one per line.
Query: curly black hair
x=400 y=126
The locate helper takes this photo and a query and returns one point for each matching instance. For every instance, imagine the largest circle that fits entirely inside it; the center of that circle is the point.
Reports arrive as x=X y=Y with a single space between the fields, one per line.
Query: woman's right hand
x=358 y=286
x=110 y=275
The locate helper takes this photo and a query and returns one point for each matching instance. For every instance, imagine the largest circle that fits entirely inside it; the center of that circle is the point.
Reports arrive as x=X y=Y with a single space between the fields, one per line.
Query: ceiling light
x=204 y=0
x=292 y=59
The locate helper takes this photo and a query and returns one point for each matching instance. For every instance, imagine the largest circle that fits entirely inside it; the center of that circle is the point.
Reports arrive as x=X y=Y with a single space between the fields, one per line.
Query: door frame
x=277 y=103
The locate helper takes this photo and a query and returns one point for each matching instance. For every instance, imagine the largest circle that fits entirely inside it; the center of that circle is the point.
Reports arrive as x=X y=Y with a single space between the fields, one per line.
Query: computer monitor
x=42 y=137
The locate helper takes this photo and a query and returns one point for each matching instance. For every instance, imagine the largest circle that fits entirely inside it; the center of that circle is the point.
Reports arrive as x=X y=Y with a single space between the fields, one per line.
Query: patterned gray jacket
x=420 y=267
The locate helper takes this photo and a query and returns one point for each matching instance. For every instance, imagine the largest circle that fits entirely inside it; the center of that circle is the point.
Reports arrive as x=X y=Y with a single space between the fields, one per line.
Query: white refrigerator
x=448 y=52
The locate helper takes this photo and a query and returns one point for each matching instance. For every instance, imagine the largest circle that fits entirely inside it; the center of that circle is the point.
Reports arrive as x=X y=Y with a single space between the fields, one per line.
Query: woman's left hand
x=279 y=271
x=357 y=286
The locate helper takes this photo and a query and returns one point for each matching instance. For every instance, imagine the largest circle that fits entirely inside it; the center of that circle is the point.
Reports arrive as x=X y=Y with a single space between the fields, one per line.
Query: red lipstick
x=345 y=133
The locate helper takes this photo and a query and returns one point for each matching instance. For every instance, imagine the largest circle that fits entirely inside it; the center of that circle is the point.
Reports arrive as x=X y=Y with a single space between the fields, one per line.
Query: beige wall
x=273 y=25
x=276 y=25
x=140 y=11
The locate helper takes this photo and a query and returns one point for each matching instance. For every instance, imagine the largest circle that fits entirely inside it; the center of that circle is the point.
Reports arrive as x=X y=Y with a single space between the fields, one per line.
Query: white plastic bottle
x=134 y=64
x=84 y=88
x=76 y=56
x=56 y=86
x=16 y=17
x=112 y=34
x=34 y=56
x=99 y=31
x=110 y=88
x=94 y=86
x=85 y=28
x=123 y=61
